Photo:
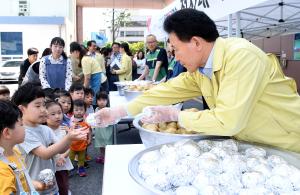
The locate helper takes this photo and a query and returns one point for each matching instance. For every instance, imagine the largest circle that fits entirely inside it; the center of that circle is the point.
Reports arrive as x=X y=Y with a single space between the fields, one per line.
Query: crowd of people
x=98 y=68
x=248 y=98
x=56 y=93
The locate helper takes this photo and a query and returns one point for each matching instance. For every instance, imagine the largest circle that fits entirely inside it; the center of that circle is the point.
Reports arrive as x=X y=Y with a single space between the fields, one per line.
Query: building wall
x=39 y=8
x=41 y=29
x=132 y=28
x=38 y=36
x=282 y=45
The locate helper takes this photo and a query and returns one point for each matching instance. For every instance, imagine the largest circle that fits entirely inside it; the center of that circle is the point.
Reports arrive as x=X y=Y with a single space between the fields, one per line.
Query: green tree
x=116 y=19
x=134 y=47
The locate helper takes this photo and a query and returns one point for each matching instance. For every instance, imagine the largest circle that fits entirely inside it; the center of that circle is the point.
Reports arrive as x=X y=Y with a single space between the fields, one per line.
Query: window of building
x=11 y=43
x=134 y=34
x=134 y=24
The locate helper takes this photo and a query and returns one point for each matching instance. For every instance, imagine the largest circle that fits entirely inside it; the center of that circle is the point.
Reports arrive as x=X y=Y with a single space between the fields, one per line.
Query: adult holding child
x=56 y=68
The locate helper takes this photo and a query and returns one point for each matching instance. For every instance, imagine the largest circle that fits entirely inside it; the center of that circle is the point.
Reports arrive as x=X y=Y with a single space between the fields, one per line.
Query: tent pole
x=229 y=25
x=238 y=25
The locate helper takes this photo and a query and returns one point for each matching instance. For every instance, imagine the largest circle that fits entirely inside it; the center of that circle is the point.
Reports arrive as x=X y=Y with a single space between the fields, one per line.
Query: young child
x=77 y=91
x=103 y=136
x=79 y=147
x=88 y=100
x=40 y=144
x=65 y=100
x=4 y=93
x=12 y=168
x=63 y=162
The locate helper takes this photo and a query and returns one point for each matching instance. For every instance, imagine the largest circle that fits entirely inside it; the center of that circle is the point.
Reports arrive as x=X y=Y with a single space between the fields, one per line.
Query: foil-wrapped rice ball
x=168 y=151
x=210 y=165
x=278 y=184
x=158 y=181
x=150 y=157
x=234 y=164
x=204 y=179
x=165 y=165
x=230 y=145
x=252 y=179
x=188 y=149
x=255 y=152
x=274 y=160
x=230 y=181
x=181 y=175
x=47 y=177
x=263 y=169
x=220 y=153
x=205 y=145
x=283 y=170
x=254 y=161
x=147 y=169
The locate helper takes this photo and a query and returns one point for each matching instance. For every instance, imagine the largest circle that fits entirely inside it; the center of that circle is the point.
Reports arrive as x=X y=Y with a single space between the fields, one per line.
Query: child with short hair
x=65 y=100
x=40 y=144
x=77 y=91
x=79 y=147
x=4 y=93
x=88 y=100
x=103 y=136
x=14 y=177
x=63 y=162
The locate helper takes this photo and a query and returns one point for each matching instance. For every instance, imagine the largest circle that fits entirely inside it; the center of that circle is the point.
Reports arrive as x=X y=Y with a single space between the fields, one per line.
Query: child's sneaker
x=81 y=172
x=100 y=159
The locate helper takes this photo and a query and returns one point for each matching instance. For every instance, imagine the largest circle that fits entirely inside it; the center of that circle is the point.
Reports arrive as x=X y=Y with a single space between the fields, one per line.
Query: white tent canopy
x=250 y=19
x=271 y=18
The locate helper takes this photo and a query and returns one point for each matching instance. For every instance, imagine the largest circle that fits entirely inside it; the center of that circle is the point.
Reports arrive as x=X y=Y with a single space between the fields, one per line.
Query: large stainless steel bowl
x=130 y=95
x=153 y=138
x=133 y=166
x=121 y=86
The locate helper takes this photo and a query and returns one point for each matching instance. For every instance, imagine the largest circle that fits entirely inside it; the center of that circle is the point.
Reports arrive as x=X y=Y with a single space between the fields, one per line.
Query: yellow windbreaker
x=249 y=97
x=125 y=72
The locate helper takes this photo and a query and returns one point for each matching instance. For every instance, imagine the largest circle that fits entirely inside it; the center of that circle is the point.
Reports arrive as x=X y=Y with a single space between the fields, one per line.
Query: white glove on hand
x=106 y=117
x=159 y=114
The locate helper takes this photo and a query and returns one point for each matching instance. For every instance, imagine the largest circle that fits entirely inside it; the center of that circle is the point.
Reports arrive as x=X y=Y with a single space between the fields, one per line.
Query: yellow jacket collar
x=219 y=50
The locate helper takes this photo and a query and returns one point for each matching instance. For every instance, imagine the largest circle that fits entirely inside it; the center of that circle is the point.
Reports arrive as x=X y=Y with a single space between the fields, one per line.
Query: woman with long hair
x=140 y=61
x=56 y=68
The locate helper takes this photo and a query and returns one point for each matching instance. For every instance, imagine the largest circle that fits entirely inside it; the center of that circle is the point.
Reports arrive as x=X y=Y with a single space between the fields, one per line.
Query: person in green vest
x=156 y=61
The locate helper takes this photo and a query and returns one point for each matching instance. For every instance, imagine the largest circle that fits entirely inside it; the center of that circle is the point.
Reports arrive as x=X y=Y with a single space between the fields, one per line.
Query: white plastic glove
x=159 y=114
x=106 y=116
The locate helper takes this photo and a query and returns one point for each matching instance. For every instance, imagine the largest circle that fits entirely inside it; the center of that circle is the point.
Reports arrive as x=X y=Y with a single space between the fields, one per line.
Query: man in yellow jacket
x=248 y=95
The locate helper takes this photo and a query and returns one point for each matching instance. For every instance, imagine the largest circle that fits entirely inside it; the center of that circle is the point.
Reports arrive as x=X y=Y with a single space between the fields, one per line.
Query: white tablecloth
x=116 y=179
x=116 y=100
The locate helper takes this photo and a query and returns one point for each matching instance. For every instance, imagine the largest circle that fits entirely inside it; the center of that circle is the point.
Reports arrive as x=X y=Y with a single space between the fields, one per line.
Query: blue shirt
x=207 y=70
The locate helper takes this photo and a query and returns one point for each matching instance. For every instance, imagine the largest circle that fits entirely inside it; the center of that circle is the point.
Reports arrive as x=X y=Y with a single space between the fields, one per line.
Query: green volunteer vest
x=151 y=58
x=171 y=64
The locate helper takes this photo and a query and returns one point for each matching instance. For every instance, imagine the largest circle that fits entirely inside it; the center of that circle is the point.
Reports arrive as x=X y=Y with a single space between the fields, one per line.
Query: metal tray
x=291 y=157
x=153 y=138
x=131 y=95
